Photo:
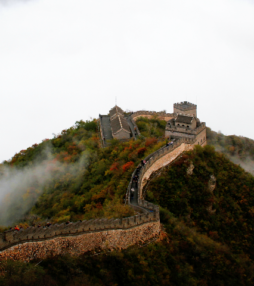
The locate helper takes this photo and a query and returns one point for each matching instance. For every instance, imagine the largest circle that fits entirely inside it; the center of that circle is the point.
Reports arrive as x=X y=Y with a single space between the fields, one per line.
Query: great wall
x=85 y=236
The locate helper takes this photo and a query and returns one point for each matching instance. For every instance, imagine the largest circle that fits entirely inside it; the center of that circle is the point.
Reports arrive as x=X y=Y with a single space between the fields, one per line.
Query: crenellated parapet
x=80 y=237
x=32 y=234
x=154 y=162
x=162 y=115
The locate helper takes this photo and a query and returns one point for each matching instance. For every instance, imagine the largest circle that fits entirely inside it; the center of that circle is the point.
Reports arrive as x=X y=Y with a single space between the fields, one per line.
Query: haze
x=66 y=60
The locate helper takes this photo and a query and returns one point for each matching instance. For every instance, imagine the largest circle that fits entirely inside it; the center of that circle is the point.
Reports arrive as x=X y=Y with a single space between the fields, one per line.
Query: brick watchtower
x=186 y=107
x=185 y=124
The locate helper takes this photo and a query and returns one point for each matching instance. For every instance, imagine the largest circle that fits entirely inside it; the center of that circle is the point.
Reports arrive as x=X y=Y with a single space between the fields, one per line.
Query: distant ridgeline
x=81 y=237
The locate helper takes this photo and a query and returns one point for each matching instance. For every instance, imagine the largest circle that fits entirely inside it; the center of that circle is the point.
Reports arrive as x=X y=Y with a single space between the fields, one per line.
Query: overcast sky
x=66 y=60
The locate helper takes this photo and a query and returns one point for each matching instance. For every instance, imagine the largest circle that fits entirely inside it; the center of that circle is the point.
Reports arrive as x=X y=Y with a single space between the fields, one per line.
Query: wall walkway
x=80 y=237
x=154 y=162
x=149 y=114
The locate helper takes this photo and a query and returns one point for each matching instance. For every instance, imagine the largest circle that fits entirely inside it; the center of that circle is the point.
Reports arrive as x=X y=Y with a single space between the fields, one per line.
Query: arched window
x=183 y=125
x=188 y=126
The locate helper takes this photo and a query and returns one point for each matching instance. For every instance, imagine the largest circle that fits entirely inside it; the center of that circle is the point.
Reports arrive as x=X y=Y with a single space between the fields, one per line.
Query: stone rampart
x=164 y=157
x=107 y=239
x=187 y=130
x=80 y=237
x=100 y=129
x=31 y=234
x=149 y=114
x=135 y=125
x=157 y=160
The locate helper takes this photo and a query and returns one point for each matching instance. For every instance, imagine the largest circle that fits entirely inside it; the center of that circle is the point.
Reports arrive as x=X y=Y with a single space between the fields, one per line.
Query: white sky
x=66 y=60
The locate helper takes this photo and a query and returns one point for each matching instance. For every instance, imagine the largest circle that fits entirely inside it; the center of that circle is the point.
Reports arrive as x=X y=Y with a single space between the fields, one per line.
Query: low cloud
x=21 y=188
x=247 y=164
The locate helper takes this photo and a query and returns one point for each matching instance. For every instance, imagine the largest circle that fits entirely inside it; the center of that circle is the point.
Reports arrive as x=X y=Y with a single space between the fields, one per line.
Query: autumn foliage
x=151 y=141
x=141 y=151
x=127 y=166
x=84 y=177
x=195 y=247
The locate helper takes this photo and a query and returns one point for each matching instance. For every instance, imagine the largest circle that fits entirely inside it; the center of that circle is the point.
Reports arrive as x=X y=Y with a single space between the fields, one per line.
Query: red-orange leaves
x=114 y=166
x=67 y=159
x=141 y=151
x=99 y=206
x=127 y=166
x=151 y=141
x=72 y=148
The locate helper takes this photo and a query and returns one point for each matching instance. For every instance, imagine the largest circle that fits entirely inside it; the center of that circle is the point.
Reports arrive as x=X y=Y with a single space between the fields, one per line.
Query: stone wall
x=175 y=131
x=149 y=114
x=185 y=108
x=175 y=134
x=11 y=237
x=80 y=244
x=163 y=161
x=161 y=158
x=201 y=138
x=135 y=125
x=81 y=237
x=155 y=161
x=187 y=112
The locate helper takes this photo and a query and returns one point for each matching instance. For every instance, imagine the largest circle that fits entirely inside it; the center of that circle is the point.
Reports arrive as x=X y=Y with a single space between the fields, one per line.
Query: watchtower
x=186 y=107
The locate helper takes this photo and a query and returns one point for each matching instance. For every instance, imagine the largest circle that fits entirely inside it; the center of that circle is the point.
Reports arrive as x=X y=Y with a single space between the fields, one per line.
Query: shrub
x=151 y=141
x=141 y=151
x=127 y=166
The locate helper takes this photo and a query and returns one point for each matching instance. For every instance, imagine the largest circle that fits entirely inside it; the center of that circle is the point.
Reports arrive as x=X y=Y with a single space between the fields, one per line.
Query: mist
x=21 y=188
x=247 y=164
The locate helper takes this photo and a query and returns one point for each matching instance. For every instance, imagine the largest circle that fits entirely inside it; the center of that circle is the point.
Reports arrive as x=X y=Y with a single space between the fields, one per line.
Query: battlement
x=153 y=163
x=31 y=234
x=183 y=129
x=83 y=236
x=185 y=107
x=162 y=115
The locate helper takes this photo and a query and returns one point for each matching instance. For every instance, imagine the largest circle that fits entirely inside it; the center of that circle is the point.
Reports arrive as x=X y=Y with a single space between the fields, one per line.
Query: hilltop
x=71 y=177
x=206 y=215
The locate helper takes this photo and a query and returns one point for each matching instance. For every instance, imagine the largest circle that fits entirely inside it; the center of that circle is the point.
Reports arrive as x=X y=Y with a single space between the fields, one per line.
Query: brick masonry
x=81 y=244
x=150 y=114
x=163 y=161
x=82 y=237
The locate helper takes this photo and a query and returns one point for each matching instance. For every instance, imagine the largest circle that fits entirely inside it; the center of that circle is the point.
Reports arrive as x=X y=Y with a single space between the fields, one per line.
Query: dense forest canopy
x=70 y=177
x=207 y=233
x=224 y=214
x=206 y=236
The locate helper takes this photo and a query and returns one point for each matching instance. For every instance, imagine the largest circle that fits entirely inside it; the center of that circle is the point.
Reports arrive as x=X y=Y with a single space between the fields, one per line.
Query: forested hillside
x=196 y=245
x=224 y=214
x=70 y=177
x=238 y=149
x=207 y=209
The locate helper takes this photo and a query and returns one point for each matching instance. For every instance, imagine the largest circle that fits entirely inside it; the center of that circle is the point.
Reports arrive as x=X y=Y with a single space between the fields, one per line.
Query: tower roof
x=119 y=123
x=116 y=110
x=184 y=119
